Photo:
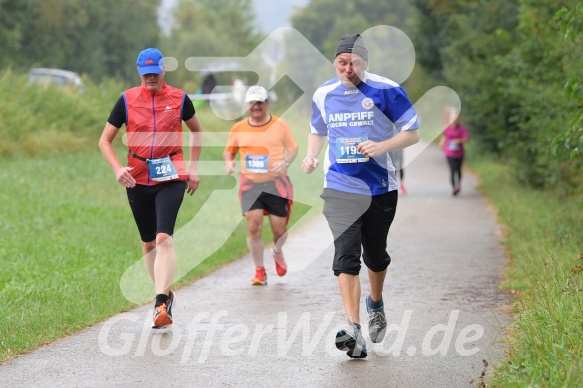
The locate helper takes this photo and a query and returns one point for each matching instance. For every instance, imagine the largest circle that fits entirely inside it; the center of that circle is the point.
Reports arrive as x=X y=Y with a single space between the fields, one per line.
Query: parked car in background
x=64 y=79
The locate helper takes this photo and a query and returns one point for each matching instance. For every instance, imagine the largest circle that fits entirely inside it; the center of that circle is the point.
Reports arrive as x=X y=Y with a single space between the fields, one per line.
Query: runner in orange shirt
x=267 y=148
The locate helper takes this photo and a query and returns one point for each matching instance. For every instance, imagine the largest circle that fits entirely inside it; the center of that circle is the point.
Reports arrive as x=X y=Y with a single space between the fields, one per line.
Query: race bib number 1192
x=346 y=150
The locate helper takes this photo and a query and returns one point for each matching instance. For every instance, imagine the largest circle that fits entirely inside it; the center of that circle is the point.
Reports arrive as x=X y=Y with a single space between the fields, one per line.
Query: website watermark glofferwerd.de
x=211 y=334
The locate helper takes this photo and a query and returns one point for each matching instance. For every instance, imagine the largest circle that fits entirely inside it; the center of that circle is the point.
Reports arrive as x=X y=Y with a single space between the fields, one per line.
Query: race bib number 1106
x=257 y=163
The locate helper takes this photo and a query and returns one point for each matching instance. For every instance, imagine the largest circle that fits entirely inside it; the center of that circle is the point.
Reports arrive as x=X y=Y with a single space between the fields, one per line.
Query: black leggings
x=455 y=169
x=155 y=208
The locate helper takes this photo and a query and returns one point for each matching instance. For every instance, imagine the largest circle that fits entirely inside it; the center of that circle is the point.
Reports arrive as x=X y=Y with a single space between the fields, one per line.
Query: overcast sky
x=271 y=14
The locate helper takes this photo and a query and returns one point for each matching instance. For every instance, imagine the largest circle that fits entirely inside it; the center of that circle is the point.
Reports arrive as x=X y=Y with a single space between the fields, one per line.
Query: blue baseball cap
x=150 y=61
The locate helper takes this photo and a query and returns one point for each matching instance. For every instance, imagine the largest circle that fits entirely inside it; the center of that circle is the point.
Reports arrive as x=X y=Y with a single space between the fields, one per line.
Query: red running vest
x=154 y=129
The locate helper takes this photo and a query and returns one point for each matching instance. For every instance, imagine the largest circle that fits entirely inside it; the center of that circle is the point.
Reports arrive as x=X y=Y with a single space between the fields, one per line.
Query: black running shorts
x=264 y=196
x=155 y=208
x=359 y=223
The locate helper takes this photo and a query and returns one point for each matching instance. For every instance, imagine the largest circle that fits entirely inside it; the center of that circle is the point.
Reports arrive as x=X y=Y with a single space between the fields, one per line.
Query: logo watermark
x=205 y=234
x=208 y=335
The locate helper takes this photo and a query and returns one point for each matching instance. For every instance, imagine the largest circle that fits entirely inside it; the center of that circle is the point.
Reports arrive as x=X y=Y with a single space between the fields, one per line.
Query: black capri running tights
x=155 y=208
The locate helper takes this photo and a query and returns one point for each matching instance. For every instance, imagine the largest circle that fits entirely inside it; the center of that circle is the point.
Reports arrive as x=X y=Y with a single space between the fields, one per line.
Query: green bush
x=46 y=121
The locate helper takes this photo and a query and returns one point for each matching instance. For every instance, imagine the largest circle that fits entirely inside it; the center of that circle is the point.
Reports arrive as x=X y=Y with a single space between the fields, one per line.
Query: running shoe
x=351 y=341
x=170 y=303
x=280 y=265
x=377 y=322
x=260 y=278
x=163 y=313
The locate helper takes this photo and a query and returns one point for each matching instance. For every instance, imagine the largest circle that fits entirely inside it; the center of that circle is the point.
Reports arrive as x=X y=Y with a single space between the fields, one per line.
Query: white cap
x=256 y=93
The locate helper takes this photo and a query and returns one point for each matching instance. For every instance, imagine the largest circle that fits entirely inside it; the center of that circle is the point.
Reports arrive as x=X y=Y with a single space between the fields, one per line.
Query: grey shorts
x=360 y=225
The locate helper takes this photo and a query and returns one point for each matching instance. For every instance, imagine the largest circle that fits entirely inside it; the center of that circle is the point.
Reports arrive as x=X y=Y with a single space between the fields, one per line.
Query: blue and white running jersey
x=374 y=110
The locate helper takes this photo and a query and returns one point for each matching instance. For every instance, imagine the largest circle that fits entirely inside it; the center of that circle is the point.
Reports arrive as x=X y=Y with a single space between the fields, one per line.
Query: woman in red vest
x=156 y=175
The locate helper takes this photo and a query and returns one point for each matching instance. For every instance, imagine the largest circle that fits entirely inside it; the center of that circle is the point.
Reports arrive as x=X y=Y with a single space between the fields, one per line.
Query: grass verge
x=544 y=240
x=68 y=235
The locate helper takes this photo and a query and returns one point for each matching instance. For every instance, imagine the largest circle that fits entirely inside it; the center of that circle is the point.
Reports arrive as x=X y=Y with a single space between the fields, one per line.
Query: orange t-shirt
x=270 y=140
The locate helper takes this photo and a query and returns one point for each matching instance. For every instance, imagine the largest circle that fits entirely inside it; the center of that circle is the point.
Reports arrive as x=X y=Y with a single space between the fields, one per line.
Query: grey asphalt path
x=444 y=310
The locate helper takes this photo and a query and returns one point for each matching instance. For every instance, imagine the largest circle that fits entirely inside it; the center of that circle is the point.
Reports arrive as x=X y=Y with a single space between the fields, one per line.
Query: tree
x=570 y=139
x=508 y=61
x=83 y=36
x=323 y=22
x=209 y=28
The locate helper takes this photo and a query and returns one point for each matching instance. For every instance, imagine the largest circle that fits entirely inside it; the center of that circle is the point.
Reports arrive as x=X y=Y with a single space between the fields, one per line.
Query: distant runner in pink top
x=452 y=143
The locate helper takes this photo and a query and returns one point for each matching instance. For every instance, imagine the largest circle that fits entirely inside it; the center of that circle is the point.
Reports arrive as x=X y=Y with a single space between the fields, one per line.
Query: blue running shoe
x=351 y=341
x=377 y=322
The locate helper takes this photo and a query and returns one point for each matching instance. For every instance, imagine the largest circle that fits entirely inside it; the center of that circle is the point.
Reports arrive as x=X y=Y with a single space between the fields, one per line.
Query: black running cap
x=353 y=44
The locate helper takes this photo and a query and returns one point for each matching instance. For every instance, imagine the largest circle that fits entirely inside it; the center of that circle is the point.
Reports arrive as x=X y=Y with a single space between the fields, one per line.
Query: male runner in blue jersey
x=365 y=117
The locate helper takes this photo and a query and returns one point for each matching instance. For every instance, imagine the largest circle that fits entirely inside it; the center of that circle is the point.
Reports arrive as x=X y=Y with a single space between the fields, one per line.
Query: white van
x=62 y=78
